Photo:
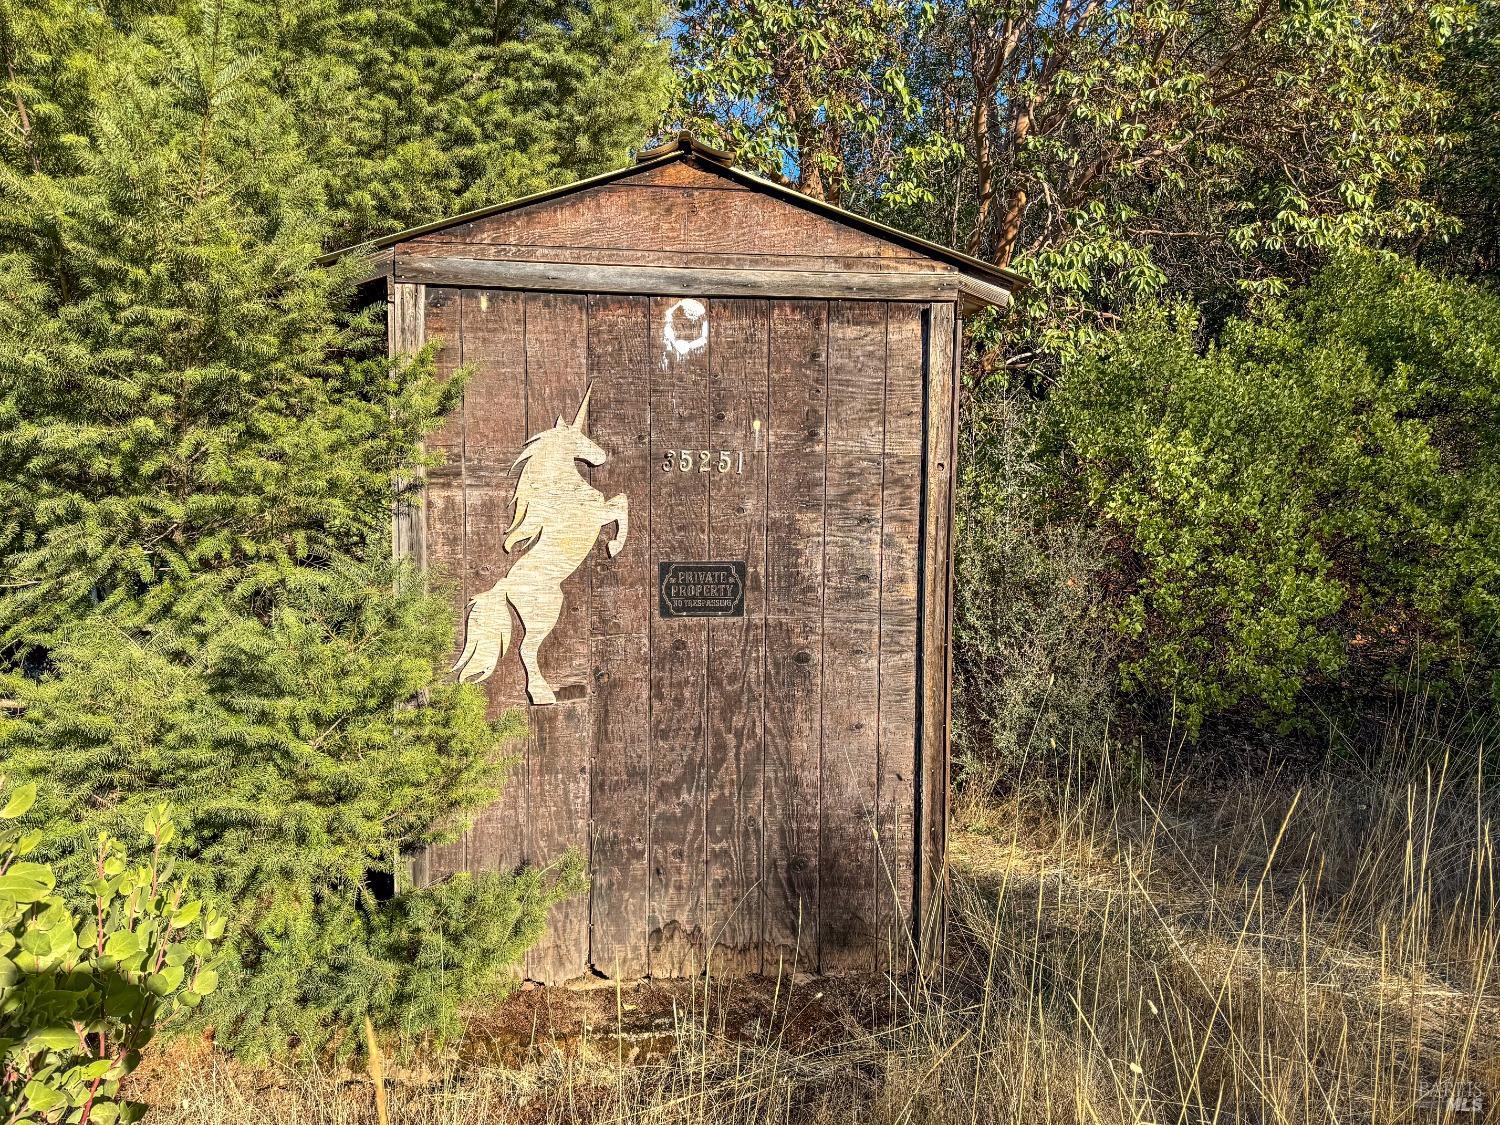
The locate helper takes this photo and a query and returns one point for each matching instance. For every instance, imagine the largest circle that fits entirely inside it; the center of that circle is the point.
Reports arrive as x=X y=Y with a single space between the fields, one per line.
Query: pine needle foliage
x=419 y=110
x=197 y=449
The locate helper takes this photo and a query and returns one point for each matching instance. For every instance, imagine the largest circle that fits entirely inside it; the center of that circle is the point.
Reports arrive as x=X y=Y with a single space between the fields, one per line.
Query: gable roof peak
x=683 y=141
x=985 y=282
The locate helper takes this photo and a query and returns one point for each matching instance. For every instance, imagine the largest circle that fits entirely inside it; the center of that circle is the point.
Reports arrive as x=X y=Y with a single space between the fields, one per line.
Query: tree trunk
x=1015 y=209
x=984 y=170
x=1010 y=228
x=811 y=143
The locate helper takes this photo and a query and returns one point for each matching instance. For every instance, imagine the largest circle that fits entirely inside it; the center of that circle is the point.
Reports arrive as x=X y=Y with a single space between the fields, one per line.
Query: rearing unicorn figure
x=558 y=515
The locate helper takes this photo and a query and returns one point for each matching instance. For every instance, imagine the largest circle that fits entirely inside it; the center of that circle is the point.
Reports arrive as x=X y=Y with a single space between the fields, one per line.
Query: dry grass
x=1259 y=953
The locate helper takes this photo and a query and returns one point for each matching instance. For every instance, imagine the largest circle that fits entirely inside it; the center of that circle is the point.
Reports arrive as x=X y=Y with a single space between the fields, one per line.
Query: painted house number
x=704 y=460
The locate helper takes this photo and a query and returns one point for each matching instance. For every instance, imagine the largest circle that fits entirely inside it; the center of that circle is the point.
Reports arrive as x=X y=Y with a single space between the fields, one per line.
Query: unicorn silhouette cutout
x=557 y=519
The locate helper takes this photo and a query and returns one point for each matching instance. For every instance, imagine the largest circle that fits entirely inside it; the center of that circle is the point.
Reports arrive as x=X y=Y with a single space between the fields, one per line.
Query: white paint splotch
x=686 y=328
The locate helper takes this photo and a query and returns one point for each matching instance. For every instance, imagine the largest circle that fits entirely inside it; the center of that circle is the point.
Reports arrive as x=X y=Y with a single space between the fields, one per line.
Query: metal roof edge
x=684 y=141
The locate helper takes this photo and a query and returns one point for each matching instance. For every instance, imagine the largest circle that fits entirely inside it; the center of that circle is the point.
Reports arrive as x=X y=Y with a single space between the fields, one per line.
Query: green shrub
x=1313 y=497
x=81 y=995
x=298 y=766
x=198 y=449
x=1034 y=670
x=448 y=941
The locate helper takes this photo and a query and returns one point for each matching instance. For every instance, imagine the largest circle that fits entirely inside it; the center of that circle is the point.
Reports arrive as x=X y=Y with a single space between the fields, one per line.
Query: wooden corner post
x=935 y=620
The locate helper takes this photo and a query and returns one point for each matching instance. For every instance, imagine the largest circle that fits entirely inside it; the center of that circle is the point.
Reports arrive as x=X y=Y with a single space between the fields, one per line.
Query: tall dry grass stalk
x=1252 y=952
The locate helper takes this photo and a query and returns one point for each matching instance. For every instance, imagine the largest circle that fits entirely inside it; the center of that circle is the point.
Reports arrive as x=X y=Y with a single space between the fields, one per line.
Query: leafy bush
x=1034 y=653
x=79 y=1001
x=1312 y=496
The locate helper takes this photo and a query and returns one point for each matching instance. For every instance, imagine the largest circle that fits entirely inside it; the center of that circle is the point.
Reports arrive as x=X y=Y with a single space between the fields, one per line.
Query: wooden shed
x=695 y=513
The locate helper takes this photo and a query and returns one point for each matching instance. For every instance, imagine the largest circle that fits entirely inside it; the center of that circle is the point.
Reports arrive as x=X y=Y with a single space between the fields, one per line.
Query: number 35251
x=704 y=461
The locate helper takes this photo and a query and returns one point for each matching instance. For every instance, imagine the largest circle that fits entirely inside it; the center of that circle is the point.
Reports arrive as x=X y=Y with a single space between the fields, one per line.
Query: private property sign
x=701 y=589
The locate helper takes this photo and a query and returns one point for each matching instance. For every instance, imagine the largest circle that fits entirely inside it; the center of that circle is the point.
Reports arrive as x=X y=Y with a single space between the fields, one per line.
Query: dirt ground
x=641 y=1023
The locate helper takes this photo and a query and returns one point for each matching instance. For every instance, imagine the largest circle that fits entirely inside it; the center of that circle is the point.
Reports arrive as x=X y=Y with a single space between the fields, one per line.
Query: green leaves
x=42 y=1097
x=25 y=883
x=414 y=112
x=123 y=945
x=1108 y=152
x=800 y=87
x=20 y=802
x=159 y=825
x=77 y=1006
x=54 y=1039
x=1313 y=489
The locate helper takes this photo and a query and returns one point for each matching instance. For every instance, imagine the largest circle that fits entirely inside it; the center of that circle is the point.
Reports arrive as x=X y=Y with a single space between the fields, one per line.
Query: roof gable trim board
x=910 y=285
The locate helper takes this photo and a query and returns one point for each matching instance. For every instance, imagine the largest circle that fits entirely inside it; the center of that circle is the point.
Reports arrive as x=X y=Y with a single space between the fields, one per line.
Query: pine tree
x=196 y=454
x=419 y=110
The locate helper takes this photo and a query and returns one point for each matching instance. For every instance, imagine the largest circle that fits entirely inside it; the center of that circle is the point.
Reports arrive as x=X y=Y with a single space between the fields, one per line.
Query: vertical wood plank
x=900 y=533
x=405 y=334
x=851 y=635
x=955 y=331
x=558 y=760
x=444 y=510
x=736 y=646
x=679 y=652
x=444 y=499
x=794 y=637
x=620 y=423
x=495 y=428
x=936 y=570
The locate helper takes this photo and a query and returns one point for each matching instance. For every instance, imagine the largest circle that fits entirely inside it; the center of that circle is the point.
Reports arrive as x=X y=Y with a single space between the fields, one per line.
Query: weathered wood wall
x=745 y=788
x=751 y=793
